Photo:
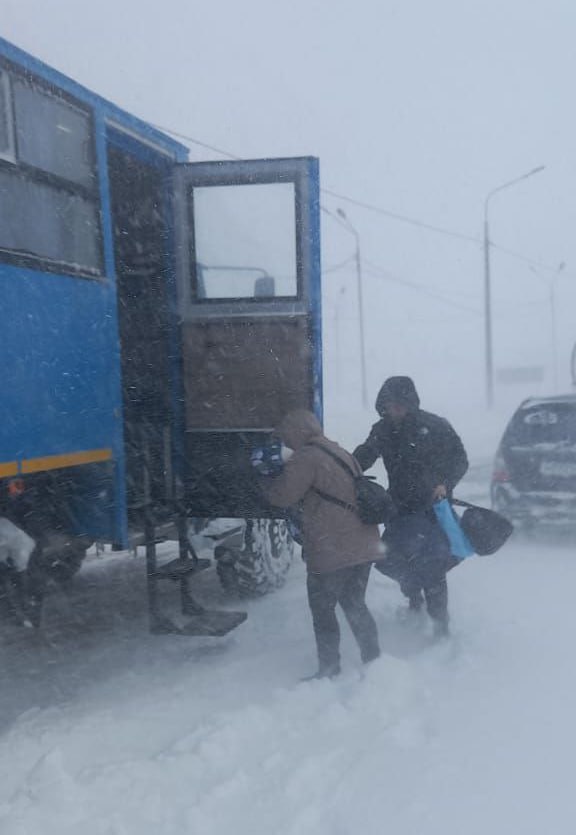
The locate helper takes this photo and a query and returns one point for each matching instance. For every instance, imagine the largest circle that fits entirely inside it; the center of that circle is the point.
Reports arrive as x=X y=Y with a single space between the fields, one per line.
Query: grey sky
x=416 y=106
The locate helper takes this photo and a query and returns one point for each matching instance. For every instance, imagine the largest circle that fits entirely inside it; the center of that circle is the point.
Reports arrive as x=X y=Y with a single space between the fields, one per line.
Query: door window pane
x=52 y=134
x=6 y=141
x=245 y=241
x=46 y=222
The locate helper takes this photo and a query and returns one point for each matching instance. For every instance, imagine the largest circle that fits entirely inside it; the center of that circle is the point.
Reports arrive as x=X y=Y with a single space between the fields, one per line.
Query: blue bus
x=159 y=316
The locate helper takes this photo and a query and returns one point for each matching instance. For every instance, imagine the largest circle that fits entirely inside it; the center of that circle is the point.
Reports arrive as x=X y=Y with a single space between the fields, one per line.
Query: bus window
x=50 y=223
x=245 y=241
x=52 y=134
x=6 y=129
x=49 y=204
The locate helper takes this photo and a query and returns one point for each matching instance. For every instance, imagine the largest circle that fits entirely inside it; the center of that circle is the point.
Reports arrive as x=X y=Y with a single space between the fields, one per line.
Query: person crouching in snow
x=424 y=459
x=337 y=546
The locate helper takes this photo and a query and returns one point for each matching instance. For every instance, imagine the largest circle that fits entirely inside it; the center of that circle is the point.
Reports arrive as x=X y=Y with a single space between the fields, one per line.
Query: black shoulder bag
x=373 y=503
x=486 y=529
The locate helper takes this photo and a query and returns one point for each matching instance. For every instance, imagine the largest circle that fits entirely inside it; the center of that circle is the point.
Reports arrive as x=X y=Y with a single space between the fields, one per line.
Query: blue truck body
x=62 y=402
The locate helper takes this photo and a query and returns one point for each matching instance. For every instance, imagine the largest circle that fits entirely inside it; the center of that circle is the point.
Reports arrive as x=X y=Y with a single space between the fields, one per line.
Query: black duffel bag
x=486 y=529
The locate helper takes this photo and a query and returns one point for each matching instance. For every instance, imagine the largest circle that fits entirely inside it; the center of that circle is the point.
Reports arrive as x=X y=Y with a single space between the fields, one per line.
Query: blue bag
x=460 y=545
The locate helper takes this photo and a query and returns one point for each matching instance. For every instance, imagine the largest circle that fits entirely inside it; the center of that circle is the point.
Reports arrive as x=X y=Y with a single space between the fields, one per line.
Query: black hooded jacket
x=419 y=453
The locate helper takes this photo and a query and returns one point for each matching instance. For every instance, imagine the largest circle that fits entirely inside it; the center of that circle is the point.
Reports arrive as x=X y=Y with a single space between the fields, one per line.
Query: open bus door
x=248 y=273
x=247 y=248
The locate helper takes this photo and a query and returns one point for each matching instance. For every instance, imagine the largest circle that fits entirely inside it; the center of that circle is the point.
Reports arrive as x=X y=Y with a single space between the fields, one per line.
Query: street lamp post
x=553 y=324
x=553 y=338
x=342 y=214
x=487 y=284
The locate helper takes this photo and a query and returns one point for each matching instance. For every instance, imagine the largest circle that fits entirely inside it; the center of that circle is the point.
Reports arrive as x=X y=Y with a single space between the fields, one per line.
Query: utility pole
x=489 y=366
x=488 y=317
x=342 y=214
x=553 y=325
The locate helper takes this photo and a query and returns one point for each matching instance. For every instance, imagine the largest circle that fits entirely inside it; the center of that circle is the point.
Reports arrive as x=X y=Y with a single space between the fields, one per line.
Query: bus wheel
x=263 y=563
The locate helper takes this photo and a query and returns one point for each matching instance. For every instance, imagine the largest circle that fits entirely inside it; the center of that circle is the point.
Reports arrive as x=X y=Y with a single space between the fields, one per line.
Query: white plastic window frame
x=8 y=153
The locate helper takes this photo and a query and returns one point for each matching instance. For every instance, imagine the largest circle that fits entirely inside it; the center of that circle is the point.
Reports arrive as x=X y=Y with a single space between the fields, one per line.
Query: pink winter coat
x=334 y=537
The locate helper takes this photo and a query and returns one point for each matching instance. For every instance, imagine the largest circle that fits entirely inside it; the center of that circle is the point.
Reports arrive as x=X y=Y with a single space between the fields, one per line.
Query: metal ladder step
x=208 y=623
x=178 y=568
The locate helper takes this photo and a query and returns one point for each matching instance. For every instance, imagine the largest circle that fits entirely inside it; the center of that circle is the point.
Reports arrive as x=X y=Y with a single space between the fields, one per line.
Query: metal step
x=209 y=623
x=162 y=533
x=198 y=621
x=178 y=568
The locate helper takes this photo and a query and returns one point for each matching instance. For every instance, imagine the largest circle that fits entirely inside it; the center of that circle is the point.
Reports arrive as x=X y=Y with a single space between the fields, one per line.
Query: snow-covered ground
x=110 y=731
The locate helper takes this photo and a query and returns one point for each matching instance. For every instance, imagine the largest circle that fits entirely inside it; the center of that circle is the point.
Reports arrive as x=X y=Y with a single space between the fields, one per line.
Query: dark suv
x=534 y=478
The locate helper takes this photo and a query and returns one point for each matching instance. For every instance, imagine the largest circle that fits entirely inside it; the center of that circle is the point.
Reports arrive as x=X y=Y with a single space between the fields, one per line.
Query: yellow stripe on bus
x=68 y=459
x=8 y=469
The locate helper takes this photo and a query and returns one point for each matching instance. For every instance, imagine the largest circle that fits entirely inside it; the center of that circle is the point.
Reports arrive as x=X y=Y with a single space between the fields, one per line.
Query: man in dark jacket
x=424 y=459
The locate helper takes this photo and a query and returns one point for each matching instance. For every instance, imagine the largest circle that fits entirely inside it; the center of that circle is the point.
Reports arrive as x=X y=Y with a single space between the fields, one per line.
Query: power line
x=403 y=218
x=385 y=275
x=196 y=142
x=451 y=233
x=411 y=221
x=524 y=258
x=340 y=265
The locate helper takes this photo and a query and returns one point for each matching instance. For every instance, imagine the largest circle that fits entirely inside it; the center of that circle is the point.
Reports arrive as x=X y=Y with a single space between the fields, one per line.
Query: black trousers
x=347 y=587
x=429 y=586
x=419 y=558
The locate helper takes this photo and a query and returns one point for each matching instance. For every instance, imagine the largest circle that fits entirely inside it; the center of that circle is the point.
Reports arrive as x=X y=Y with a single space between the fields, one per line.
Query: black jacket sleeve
x=368 y=453
x=450 y=459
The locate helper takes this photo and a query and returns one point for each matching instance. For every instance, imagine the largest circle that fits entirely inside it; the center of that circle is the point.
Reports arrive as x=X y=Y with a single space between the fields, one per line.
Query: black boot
x=440 y=628
x=415 y=602
x=324 y=672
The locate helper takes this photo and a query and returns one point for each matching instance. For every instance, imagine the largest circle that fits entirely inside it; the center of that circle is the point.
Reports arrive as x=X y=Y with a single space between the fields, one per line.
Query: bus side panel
x=58 y=393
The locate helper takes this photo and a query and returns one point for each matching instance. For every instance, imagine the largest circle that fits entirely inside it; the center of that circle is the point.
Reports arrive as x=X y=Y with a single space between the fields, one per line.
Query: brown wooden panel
x=246 y=374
